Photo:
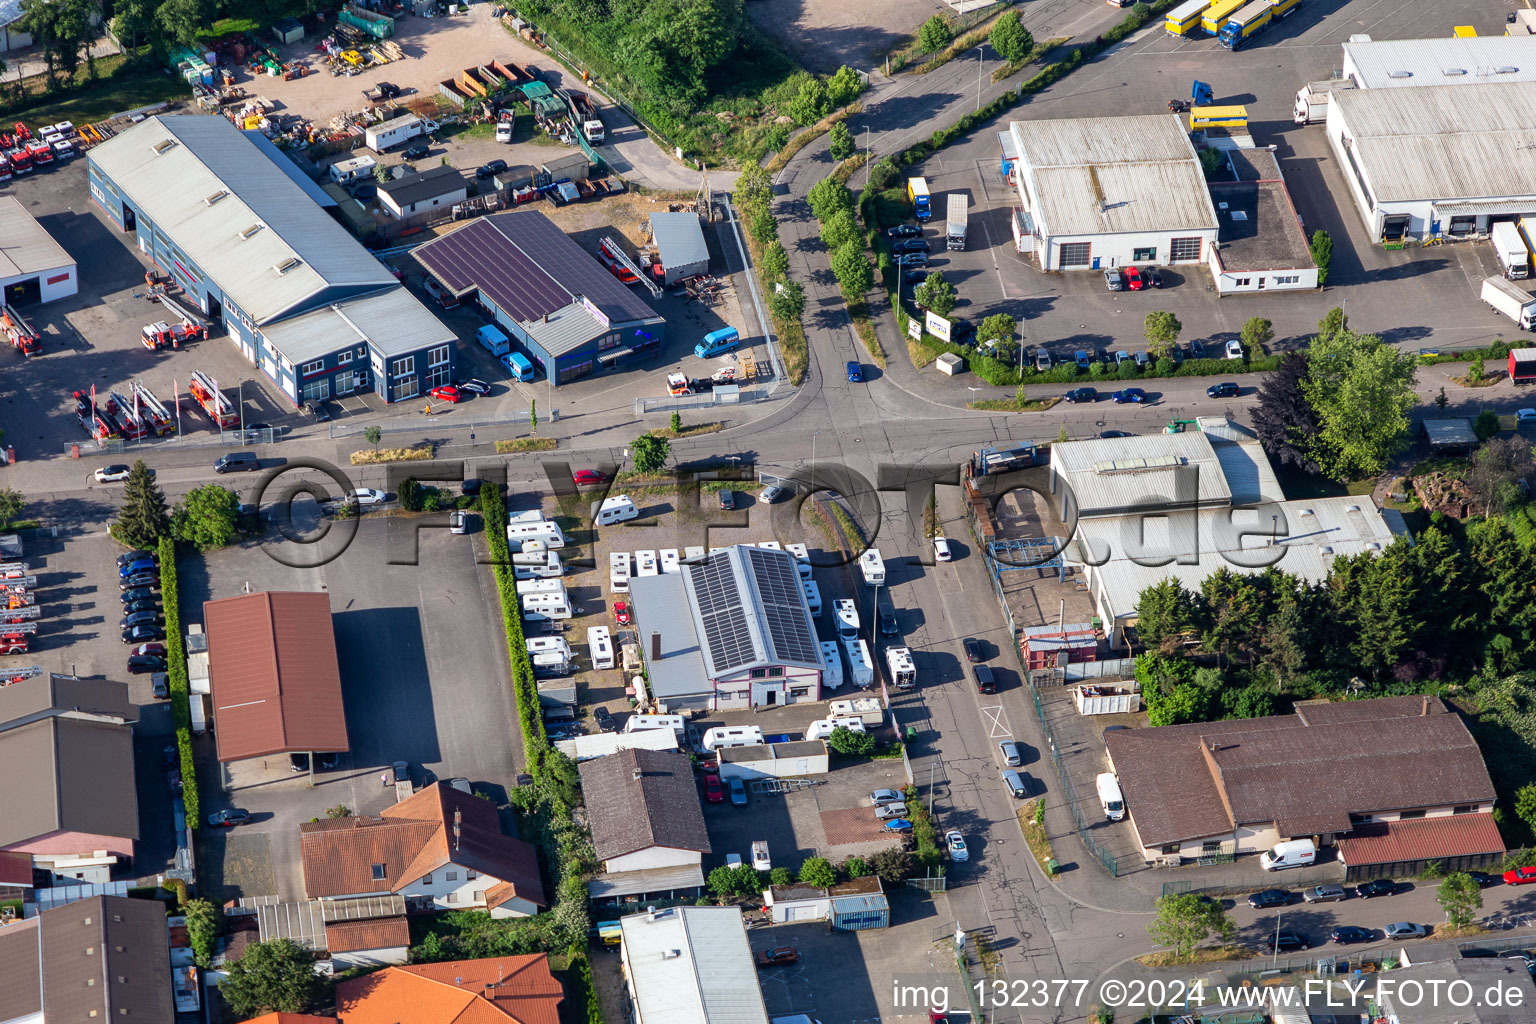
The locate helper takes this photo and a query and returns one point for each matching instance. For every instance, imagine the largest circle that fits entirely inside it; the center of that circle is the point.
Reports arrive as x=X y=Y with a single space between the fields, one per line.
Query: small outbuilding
x=774 y=760
x=679 y=240
x=1452 y=434
x=288 y=30
x=435 y=189
x=855 y=905
x=33 y=267
x=571 y=167
x=950 y=364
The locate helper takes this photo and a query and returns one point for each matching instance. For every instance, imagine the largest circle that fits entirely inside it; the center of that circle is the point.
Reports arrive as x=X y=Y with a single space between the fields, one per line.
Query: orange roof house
x=496 y=990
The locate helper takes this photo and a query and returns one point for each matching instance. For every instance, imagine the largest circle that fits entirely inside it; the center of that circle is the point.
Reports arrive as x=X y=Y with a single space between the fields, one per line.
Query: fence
x=710 y=399
x=1109 y=668
x=442 y=421
x=222 y=439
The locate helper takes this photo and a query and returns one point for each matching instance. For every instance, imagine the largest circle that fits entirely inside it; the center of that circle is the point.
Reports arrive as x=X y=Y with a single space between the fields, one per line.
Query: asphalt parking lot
x=1402 y=295
x=424 y=679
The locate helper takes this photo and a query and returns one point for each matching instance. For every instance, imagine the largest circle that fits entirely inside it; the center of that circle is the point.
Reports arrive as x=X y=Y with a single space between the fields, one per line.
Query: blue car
x=738 y=792
x=855 y=372
x=1130 y=395
x=1083 y=362
x=138 y=565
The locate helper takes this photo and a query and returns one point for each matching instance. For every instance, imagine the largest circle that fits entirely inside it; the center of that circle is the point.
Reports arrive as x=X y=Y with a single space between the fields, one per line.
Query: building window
x=470 y=876
x=1464 y=809
x=608 y=342
x=437 y=356
x=799 y=691
x=427 y=878
x=1144 y=255
x=572 y=371
x=378 y=872
x=343 y=357
x=1410 y=815
x=759 y=673
x=1241 y=282
x=346 y=382
x=451 y=876
x=453 y=897
x=1075 y=254
x=1210 y=846
x=1171 y=848
x=315 y=366
x=403 y=366
x=317 y=391
x=479 y=895
x=1184 y=250
x=408 y=388
x=439 y=375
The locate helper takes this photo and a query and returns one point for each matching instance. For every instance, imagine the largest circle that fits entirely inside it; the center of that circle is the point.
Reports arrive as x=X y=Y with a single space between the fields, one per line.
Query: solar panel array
x=480 y=256
x=719 y=599
x=783 y=604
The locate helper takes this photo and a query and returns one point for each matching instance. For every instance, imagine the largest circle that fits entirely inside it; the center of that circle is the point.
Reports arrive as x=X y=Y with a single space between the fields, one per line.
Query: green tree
x=754 y=186
x=11 y=504
x=851 y=744
x=1256 y=335
x=936 y=293
x=745 y=881
x=207 y=517
x=1525 y=805
x=828 y=196
x=1284 y=420
x=1475 y=370
x=1185 y=921
x=1362 y=391
x=1498 y=470
x=893 y=865
x=142 y=520
x=851 y=267
x=1010 y=38
x=373 y=435
x=1161 y=330
x=775 y=261
x=1184 y=702
x=1486 y=424
x=840 y=141
x=781 y=876
x=787 y=302
x=721 y=882
x=649 y=452
x=854 y=867
x=1322 y=254
x=761 y=225
x=1460 y=897
x=998 y=327
x=843 y=87
x=839 y=230
x=409 y=494
x=677 y=423
x=381 y=174
x=277 y=975
x=203 y=922
x=1333 y=322
x=1165 y=611
x=935 y=34
x=533 y=415
x=818 y=872
x=810 y=103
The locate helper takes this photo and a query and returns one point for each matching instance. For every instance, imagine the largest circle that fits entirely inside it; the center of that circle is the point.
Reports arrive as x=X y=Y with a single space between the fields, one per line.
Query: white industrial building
x=1261 y=245
x=1437 y=160
x=1448 y=60
x=1103 y=192
x=33 y=267
x=1185 y=505
x=690 y=965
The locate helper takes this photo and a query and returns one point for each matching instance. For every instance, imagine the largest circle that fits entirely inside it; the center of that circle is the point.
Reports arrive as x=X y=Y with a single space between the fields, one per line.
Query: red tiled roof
x=1388 y=842
x=496 y=990
x=15 y=868
x=290 y=1018
x=275 y=677
x=356 y=936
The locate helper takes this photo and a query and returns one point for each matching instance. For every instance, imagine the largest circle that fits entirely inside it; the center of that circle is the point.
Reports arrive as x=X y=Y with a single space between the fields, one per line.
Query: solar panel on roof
x=724 y=616
x=778 y=586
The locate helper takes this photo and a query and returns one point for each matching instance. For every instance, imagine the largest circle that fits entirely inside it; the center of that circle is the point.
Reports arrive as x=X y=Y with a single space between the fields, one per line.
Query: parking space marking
x=997 y=726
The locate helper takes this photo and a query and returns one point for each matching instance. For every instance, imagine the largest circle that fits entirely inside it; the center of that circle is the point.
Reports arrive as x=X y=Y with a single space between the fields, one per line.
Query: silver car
x=458 y=521
x=1405 y=930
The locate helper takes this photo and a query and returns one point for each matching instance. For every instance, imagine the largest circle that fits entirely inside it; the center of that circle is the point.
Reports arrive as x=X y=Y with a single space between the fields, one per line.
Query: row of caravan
x=622 y=565
x=530 y=533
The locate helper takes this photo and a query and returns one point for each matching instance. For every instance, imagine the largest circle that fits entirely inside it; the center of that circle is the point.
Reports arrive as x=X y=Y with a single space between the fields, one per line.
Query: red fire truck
x=121 y=409
x=206 y=394
x=96 y=420
x=16 y=639
x=19 y=331
x=155 y=415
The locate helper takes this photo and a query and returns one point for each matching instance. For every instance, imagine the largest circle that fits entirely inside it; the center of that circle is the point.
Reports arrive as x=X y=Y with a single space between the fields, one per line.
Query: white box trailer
x=903 y=672
x=545 y=644
x=865 y=709
x=547 y=533
x=1511 y=300
x=640 y=723
x=847 y=619
x=812 y=596
x=600 y=646
x=831 y=665
x=955 y=221
x=345 y=172
x=671 y=562
x=527 y=588
x=873 y=567
x=618 y=572
x=1101 y=699
x=396 y=132
x=547 y=613
x=645 y=564
x=1510 y=250
x=1312 y=100
x=802 y=559
x=860 y=669
x=537 y=565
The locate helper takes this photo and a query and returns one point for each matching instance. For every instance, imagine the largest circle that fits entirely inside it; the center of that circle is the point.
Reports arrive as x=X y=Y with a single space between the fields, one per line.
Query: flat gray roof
x=679 y=239
x=1449 y=60
x=1259 y=229
x=28 y=249
x=393 y=321
x=660 y=602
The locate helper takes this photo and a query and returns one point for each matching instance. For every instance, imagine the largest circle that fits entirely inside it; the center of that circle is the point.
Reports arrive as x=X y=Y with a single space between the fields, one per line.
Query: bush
x=854 y=867
x=1322 y=254
x=203 y=921
x=851 y=744
x=176 y=668
x=1486 y=425
x=818 y=872
x=840 y=141
x=781 y=876
x=524 y=689
x=935 y=34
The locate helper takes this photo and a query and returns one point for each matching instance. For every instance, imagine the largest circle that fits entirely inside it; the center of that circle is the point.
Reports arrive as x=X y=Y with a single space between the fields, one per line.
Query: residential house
x=78 y=816
x=647 y=825
x=690 y=965
x=105 y=958
x=732 y=630
x=514 y=989
x=441 y=849
x=1393 y=783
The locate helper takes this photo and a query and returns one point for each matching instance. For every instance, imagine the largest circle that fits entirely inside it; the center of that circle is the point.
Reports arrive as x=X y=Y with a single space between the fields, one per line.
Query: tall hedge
x=176 y=657
x=524 y=689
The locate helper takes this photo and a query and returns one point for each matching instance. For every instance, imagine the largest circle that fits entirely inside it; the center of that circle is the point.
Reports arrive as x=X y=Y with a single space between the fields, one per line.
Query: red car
x=447 y=392
x=621 y=613
x=712 y=791
x=587 y=477
x=158 y=649
x=1133 y=279
x=1520 y=876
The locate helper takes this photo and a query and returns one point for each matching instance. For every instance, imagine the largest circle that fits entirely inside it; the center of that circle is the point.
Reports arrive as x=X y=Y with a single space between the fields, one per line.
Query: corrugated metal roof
x=275 y=676
x=1453 y=432
x=658 y=601
x=1101 y=175
x=1442 y=142
x=1385 y=842
x=632 y=883
x=1380 y=63
x=29 y=248
x=311 y=188
x=10 y=10
x=680 y=239
x=1102 y=490
x=394 y=322
x=172 y=185
x=565 y=330
x=749 y=609
x=693 y=965
x=79 y=779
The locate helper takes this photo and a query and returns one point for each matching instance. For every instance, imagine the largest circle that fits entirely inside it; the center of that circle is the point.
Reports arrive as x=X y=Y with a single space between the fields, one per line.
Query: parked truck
x=1510 y=250
x=917 y=192
x=1522 y=362
x=381 y=92
x=1511 y=300
x=19 y=331
x=955 y=234
x=1312 y=100
x=587 y=117
x=1249 y=21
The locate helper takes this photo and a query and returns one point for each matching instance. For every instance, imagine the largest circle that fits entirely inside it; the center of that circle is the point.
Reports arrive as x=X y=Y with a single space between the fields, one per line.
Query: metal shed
x=288 y=30
x=1454 y=433
x=574 y=166
x=680 y=241
x=774 y=760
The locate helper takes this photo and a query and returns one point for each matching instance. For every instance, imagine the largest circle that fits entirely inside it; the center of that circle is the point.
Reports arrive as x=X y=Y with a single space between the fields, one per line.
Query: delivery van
x=1110 y=797
x=518 y=366
x=717 y=343
x=1294 y=853
x=617 y=509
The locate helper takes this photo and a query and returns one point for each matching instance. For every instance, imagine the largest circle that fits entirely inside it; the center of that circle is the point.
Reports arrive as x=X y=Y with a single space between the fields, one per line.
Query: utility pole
x=979 y=62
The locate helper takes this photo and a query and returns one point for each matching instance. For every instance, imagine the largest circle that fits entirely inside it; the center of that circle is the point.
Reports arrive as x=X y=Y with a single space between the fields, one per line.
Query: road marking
x=997 y=727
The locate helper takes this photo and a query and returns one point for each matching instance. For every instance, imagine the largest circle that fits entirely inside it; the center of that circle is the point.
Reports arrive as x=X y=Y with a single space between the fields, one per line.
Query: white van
x=1109 y=796
x=823 y=727
x=1294 y=853
x=537 y=565
x=600 y=646
x=617 y=509
x=670 y=562
x=639 y=723
x=547 y=532
x=812 y=596
x=732 y=736
x=527 y=588
x=645 y=563
x=831 y=666
x=847 y=618
x=618 y=572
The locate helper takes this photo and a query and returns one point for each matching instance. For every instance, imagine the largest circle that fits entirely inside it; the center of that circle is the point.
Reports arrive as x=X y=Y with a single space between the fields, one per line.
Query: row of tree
x=207 y=517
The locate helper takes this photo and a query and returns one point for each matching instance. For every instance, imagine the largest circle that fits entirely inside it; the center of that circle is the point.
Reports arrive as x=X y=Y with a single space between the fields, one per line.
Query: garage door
x=811 y=912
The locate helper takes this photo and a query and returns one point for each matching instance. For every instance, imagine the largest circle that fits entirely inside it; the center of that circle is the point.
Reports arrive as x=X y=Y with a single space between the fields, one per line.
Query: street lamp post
x=979 y=63
x=814 y=436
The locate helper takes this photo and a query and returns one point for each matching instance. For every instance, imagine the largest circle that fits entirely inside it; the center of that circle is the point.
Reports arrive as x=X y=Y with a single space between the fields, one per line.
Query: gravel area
x=823 y=35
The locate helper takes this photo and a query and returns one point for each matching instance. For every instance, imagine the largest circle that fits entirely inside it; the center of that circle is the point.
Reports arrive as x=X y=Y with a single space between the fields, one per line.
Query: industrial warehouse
x=33 y=267
x=244 y=233
x=561 y=306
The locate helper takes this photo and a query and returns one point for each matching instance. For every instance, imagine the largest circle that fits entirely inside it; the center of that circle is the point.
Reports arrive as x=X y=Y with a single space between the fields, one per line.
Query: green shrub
x=524 y=689
x=176 y=668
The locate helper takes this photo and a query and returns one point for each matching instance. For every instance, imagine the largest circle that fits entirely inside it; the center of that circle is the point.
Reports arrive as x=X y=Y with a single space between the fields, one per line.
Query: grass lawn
x=230 y=26
x=1297 y=484
x=118 y=87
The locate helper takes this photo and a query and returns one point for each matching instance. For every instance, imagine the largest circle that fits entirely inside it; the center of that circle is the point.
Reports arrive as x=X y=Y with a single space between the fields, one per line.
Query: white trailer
x=600 y=646
x=873 y=567
x=1510 y=250
x=1312 y=100
x=903 y=672
x=1101 y=699
x=545 y=644
x=528 y=588
x=847 y=619
x=954 y=234
x=1511 y=300
x=831 y=666
x=618 y=572
x=345 y=172
x=860 y=669
x=802 y=559
x=537 y=565
x=865 y=709
x=389 y=134
x=812 y=596
x=645 y=563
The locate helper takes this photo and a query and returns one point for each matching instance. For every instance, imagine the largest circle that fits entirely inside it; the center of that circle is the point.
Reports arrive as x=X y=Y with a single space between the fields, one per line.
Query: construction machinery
x=206 y=393
x=1179 y=426
x=97 y=422
x=19 y=331
x=128 y=420
x=154 y=414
